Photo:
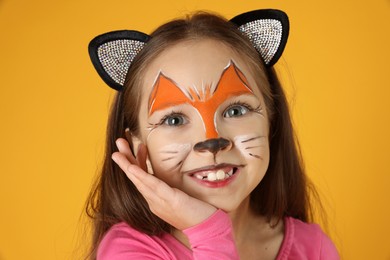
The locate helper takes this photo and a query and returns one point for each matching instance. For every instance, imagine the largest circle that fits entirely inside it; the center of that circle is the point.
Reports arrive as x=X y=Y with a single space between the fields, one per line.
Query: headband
x=112 y=53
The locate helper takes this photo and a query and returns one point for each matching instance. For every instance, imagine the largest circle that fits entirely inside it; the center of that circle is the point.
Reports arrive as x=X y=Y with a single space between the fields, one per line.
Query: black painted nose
x=212 y=145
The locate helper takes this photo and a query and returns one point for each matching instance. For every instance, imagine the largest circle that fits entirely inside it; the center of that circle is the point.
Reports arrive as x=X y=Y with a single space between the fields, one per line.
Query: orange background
x=53 y=109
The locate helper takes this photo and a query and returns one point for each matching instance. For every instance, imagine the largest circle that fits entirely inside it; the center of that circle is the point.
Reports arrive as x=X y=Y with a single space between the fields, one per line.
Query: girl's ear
x=113 y=52
x=135 y=143
x=267 y=29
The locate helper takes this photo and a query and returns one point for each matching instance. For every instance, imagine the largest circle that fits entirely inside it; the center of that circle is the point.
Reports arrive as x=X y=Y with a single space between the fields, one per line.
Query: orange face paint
x=166 y=93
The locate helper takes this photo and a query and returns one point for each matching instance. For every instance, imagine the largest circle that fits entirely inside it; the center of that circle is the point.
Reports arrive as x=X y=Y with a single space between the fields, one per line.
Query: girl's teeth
x=200 y=177
x=211 y=176
x=215 y=176
x=220 y=175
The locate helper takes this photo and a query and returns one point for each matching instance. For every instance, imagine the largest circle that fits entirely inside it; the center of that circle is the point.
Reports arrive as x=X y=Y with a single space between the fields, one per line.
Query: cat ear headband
x=112 y=53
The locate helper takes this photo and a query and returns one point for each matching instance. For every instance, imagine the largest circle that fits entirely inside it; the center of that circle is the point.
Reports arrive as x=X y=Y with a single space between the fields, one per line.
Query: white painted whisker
x=167 y=159
x=252 y=147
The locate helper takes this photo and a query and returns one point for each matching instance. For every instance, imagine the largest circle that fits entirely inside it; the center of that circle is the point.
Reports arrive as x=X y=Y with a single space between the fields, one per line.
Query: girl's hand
x=170 y=204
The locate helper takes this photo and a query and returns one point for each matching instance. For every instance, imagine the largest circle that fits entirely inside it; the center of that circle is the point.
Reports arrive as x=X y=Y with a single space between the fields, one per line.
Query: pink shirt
x=211 y=239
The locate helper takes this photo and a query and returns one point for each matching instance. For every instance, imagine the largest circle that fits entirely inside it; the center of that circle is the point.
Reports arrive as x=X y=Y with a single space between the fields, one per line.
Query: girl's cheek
x=166 y=154
x=231 y=128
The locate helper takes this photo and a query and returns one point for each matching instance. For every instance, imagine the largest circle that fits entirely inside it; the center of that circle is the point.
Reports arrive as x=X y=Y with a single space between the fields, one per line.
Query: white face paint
x=251 y=145
x=172 y=155
x=206 y=92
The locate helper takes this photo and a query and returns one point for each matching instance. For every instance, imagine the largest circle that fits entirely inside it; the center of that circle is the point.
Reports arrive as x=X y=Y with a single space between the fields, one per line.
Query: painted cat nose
x=212 y=145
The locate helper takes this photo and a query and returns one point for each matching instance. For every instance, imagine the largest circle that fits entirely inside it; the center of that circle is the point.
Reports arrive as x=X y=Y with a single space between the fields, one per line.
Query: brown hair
x=282 y=192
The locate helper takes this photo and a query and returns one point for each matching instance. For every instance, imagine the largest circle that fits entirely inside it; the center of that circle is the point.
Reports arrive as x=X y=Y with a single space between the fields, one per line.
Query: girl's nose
x=213 y=145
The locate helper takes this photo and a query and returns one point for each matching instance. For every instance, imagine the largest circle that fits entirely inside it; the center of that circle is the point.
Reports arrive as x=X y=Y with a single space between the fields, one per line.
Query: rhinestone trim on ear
x=116 y=57
x=112 y=54
x=265 y=36
x=267 y=29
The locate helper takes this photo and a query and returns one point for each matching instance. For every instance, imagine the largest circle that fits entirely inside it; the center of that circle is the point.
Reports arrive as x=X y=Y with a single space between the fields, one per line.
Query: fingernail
x=114 y=157
x=118 y=143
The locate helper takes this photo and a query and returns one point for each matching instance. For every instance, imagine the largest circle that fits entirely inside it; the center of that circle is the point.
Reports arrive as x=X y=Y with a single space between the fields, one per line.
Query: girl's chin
x=229 y=206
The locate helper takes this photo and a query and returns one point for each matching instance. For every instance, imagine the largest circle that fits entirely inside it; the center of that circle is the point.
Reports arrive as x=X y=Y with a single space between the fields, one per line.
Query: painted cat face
x=204 y=122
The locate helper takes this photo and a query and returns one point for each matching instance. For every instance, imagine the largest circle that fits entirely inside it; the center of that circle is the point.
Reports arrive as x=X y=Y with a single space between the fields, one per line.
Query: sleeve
x=122 y=243
x=328 y=250
x=213 y=238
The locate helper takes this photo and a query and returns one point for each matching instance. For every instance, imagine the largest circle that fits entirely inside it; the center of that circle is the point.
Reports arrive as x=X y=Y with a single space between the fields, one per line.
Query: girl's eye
x=235 y=111
x=175 y=120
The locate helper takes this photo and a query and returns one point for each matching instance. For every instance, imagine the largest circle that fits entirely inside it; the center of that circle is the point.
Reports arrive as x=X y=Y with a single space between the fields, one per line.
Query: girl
x=201 y=160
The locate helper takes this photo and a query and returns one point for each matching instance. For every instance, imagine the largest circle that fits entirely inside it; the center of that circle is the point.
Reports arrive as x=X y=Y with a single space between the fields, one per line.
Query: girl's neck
x=242 y=220
x=255 y=237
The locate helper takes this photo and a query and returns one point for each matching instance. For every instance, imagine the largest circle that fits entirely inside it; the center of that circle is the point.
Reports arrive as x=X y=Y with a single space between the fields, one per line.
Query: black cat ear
x=267 y=29
x=112 y=53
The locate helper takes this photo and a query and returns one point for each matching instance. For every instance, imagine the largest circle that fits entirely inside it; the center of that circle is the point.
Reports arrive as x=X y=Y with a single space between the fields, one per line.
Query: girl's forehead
x=196 y=63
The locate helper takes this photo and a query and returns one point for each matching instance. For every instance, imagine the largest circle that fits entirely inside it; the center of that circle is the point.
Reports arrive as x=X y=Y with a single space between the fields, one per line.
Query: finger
x=124 y=148
x=151 y=188
x=130 y=170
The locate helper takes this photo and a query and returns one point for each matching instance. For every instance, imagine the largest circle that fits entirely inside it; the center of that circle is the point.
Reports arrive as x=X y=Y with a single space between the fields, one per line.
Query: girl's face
x=204 y=122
